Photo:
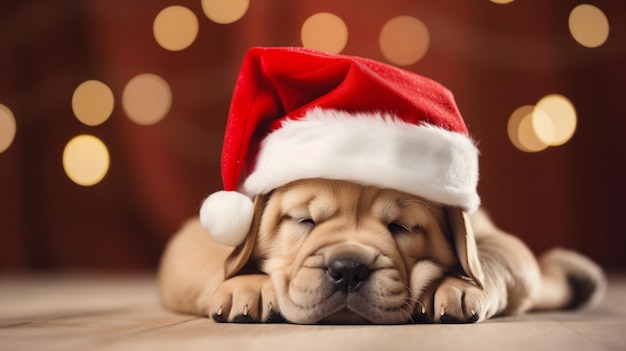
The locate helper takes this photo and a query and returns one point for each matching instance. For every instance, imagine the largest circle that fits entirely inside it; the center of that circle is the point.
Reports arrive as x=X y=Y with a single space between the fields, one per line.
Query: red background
x=495 y=58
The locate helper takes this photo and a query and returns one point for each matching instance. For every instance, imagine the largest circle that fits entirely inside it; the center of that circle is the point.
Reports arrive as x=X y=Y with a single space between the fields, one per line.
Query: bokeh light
x=8 y=128
x=561 y=115
x=146 y=99
x=551 y=122
x=324 y=31
x=513 y=125
x=588 y=25
x=521 y=130
x=527 y=134
x=175 y=28
x=518 y=134
x=542 y=126
x=225 y=11
x=86 y=160
x=92 y=102
x=404 y=40
x=502 y=1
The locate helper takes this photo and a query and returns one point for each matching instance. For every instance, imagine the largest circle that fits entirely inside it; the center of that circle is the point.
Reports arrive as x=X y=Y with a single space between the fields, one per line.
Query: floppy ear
x=241 y=254
x=465 y=243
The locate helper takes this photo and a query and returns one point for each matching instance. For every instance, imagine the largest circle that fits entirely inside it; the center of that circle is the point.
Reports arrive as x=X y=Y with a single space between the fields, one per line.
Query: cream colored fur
x=408 y=259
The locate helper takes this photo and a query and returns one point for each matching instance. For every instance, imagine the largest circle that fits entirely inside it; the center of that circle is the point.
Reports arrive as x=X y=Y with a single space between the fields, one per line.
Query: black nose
x=348 y=273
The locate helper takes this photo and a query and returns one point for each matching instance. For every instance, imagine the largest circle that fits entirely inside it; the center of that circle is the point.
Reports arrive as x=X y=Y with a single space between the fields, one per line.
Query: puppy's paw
x=461 y=301
x=243 y=299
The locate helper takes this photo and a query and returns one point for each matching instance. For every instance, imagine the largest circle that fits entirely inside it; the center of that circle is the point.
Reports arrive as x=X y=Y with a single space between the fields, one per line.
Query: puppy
x=331 y=251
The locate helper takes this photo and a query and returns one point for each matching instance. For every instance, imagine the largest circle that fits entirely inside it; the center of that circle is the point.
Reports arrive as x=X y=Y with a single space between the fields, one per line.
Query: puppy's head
x=340 y=252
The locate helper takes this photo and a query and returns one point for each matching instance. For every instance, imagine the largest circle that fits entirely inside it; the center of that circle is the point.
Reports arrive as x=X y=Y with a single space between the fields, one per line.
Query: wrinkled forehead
x=309 y=195
x=325 y=197
x=393 y=205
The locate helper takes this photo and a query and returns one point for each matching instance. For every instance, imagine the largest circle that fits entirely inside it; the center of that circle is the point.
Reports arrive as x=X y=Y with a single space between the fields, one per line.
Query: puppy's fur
x=329 y=251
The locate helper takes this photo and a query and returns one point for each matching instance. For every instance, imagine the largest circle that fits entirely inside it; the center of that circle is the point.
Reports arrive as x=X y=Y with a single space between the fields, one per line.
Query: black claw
x=219 y=318
x=276 y=317
x=421 y=318
x=449 y=319
x=473 y=318
x=243 y=318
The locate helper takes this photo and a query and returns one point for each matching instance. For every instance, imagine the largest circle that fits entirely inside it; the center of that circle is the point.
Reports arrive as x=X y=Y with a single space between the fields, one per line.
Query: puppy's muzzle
x=347 y=273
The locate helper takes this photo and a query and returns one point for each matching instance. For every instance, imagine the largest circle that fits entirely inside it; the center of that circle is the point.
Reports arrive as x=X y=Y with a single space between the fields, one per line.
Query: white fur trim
x=373 y=149
x=227 y=215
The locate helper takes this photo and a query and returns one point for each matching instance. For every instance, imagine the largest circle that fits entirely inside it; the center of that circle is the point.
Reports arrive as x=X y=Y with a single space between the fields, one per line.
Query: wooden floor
x=79 y=312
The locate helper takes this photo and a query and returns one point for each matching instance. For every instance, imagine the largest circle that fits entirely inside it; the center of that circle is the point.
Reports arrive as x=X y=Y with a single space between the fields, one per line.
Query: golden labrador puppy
x=330 y=251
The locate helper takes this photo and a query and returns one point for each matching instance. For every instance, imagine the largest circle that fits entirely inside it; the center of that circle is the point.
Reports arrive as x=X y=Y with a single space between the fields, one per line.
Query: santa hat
x=298 y=113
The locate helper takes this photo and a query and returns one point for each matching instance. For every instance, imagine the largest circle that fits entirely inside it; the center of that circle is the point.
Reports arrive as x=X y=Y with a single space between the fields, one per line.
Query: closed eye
x=397 y=228
x=301 y=220
x=307 y=221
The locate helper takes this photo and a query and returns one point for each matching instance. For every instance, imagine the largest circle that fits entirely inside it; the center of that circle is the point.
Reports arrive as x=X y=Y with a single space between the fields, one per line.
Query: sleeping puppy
x=331 y=251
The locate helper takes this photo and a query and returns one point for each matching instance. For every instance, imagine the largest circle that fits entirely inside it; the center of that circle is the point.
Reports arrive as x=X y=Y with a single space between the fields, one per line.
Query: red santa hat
x=298 y=113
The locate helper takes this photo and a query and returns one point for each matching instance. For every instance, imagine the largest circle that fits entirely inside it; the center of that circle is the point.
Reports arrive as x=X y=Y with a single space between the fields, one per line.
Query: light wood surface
x=97 y=312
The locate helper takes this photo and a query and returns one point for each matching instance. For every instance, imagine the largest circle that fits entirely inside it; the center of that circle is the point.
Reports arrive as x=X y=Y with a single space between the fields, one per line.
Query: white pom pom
x=227 y=215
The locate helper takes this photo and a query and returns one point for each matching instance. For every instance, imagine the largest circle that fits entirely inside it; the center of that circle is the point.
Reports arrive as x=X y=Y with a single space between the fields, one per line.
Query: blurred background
x=112 y=112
